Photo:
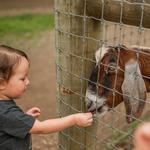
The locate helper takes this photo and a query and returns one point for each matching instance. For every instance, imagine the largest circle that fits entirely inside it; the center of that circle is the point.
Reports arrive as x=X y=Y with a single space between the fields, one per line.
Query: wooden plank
x=131 y=11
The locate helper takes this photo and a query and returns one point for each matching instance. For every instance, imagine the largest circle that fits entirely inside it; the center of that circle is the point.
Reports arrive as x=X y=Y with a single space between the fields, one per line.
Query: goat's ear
x=134 y=91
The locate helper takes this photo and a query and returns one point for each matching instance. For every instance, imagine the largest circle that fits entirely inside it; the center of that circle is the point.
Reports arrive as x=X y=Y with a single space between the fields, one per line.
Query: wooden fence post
x=72 y=69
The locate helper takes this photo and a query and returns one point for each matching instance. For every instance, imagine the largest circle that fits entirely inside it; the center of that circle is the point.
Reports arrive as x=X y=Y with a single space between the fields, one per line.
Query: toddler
x=15 y=125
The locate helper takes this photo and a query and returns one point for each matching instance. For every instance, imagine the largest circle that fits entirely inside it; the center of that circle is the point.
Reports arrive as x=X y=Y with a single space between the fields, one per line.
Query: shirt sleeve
x=17 y=123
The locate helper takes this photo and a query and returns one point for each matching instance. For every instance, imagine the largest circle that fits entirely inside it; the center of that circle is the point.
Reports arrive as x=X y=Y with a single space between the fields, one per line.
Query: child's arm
x=54 y=125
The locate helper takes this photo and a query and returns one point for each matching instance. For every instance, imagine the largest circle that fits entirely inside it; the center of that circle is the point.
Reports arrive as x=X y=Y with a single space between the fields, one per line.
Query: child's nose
x=27 y=81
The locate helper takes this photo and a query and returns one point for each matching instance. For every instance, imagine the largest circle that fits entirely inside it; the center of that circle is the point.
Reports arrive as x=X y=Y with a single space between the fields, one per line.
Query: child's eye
x=22 y=79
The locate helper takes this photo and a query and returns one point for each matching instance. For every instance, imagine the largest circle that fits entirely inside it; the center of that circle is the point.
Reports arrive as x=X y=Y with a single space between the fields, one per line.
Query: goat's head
x=116 y=77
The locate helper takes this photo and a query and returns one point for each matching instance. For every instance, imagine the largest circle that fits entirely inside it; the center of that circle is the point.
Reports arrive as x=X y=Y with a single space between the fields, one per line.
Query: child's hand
x=83 y=119
x=35 y=112
x=142 y=137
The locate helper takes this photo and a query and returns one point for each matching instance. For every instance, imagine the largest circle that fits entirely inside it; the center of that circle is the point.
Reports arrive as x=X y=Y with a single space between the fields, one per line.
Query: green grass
x=25 y=24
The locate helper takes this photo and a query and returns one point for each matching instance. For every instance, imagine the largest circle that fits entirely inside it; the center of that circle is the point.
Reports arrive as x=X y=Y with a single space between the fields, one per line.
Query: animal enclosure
x=83 y=27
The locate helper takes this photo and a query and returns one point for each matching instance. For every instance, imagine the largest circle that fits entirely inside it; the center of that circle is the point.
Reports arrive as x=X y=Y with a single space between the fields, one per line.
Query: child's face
x=19 y=81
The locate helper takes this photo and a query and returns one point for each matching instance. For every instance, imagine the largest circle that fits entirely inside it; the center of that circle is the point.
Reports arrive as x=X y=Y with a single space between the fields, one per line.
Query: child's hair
x=9 y=59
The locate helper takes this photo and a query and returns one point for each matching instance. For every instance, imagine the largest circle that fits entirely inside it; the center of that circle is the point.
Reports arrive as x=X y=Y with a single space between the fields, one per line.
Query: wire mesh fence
x=83 y=27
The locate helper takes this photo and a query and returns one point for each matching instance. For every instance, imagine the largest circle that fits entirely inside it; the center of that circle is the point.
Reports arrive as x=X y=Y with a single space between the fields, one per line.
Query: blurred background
x=29 y=25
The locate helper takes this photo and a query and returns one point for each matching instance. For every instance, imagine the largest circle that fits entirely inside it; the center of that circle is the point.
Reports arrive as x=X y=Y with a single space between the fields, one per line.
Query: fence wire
x=78 y=37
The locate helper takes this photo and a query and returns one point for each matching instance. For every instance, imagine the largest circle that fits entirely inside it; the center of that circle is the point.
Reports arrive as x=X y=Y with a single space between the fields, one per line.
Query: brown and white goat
x=122 y=74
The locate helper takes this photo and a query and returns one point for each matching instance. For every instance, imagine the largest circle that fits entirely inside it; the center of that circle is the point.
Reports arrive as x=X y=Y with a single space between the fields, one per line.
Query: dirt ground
x=42 y=91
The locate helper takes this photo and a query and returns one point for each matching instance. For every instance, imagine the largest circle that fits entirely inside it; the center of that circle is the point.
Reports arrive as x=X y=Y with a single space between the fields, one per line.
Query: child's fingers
x=36 y=114
x=36 y=109
x=89 y=115
x=88 y=124
x=90 y=120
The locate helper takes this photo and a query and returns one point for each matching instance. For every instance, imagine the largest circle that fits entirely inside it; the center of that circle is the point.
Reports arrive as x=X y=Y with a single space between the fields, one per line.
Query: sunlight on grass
x=25 y=24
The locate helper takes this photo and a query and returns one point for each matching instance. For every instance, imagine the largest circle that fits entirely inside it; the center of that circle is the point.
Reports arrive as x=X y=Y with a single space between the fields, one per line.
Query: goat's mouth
x=99 y=110
x=95 y=103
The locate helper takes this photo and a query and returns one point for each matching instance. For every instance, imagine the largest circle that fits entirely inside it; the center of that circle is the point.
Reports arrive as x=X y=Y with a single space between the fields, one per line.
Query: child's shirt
x=14 y=127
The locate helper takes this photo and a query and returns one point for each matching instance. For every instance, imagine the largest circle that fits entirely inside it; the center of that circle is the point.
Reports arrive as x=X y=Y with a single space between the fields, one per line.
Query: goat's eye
x=112 y=67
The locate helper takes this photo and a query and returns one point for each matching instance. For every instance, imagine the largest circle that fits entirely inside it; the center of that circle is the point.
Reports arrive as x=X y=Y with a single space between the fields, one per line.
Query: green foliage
x=119 y=137
x=25 y=24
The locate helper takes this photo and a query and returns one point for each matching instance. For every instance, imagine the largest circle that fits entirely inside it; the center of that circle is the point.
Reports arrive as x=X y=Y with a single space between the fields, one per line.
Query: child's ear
x=3 y=84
